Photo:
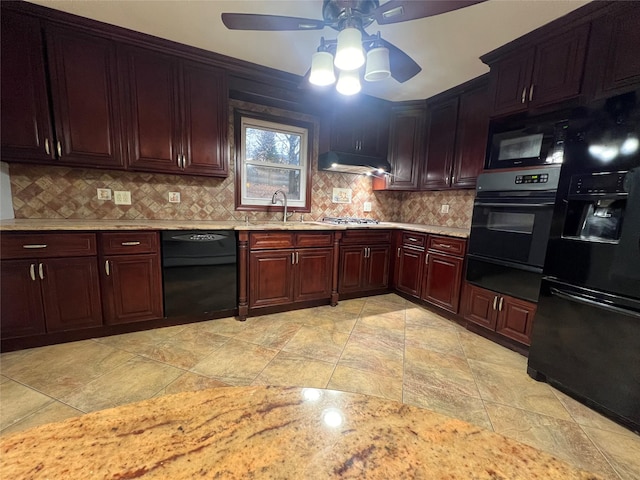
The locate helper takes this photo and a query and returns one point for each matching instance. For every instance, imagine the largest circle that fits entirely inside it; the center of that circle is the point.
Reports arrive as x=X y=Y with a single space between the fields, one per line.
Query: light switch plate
x=104 y=193
x=444 y=208
x=174 y=197
x=367 y=206
x=122 y=197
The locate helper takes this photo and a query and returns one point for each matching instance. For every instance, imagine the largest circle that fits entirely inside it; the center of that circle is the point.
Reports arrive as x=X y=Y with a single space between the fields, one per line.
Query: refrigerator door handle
x=592 y=303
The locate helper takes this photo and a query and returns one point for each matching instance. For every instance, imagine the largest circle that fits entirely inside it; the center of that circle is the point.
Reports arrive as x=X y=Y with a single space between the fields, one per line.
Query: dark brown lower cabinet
x=409 y=270
x=503 y=314
x=49 y=295
x=131 y=277
x=442 y=281
x=363 y=268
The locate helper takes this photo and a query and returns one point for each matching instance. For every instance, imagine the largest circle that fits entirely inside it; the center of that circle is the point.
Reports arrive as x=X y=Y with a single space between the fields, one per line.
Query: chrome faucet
x=273 y=201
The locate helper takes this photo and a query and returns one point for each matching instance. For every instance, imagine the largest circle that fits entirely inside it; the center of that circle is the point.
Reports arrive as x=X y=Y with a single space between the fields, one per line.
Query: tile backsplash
x=40 y=191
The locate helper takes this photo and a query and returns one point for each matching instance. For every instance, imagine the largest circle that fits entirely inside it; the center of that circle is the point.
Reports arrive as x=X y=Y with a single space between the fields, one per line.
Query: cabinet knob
x=524 y=95
x=531 y=93
x=398 y=252
x=178 y=160
x=32 y=271
x=293 y=258
x=107 y=270
x=297 y=257
x=41 y=271
x=426 y=259
x=46 y=146
x=495 y=302
x=500 y=306
x=59 y=149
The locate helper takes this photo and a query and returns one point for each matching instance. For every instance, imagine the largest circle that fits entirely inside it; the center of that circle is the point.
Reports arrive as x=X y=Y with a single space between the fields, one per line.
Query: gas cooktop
x=350 y=221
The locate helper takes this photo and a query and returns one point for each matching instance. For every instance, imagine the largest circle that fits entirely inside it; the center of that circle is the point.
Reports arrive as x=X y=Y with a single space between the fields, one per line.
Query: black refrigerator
x=586 y=333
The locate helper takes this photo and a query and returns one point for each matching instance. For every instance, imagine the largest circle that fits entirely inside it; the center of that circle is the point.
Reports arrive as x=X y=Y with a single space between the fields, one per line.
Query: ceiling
x=446 y=46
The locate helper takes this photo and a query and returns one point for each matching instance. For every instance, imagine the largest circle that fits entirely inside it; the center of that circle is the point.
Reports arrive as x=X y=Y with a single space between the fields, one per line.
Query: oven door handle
x=592 y=303
x=511 y=204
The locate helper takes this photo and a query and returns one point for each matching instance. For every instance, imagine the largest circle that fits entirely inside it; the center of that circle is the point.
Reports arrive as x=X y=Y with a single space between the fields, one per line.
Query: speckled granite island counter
x=272 y=432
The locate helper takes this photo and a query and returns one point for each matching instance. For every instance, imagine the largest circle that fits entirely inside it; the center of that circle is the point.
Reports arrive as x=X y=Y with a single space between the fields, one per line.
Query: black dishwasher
x=199 y=273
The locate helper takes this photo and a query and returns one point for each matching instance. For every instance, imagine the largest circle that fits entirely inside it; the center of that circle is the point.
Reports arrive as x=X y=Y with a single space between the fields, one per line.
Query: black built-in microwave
x=527 y=142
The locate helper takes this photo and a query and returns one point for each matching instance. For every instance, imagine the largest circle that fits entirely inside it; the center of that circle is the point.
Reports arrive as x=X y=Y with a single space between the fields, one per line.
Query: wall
x=424 y=207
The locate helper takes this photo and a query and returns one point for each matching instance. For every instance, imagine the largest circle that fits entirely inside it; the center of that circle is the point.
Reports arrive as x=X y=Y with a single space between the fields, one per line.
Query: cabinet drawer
x=414 y=239
x=453 y=246
x=260 y=240
x=122 y=243
x=367 y=236
x=47 y=245
x=314 y=239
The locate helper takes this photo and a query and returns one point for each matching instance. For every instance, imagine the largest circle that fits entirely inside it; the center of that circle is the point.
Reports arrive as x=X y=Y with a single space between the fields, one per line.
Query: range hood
x=351 y=163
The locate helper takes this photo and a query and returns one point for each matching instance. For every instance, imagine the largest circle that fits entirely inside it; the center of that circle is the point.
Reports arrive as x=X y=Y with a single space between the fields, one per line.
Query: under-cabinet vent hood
x=352 y=163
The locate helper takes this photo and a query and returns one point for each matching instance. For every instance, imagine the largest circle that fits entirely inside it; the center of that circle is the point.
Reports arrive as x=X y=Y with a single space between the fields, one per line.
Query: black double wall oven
x=586 y=334
x=511 y=219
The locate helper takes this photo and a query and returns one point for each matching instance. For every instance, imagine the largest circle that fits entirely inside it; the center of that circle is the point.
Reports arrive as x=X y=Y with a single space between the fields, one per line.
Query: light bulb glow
x=322 y=69
x=349 y=53
x=348 y=83
x=630 y=146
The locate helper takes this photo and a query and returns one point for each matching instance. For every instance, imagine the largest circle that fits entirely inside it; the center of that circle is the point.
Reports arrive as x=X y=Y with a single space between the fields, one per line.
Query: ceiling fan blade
x=250 y=21
x=402 y=66
x=395 y=11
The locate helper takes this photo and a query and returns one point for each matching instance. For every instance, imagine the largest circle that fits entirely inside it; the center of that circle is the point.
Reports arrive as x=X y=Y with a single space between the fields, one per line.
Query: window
x=273 y=154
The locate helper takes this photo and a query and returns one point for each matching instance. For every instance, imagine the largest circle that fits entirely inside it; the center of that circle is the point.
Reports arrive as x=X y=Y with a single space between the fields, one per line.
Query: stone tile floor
x=382 y=346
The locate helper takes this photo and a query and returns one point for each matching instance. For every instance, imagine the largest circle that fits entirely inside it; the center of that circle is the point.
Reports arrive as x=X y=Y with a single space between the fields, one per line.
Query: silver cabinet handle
x=178 y=160
x=41 y=271
x=46 y=146
x=32 y=271
x=35 y=245
x=524 y=95
x=426 y=259
x=495 y=301
x=59 y=149
x=500 y=306
x=297 y=258
x=183 y=162
x=130 y=244
x=107 y=270
x=531 y=92
x=293 y=258
x=398 y=252
x=442 y=245
x=411 y=239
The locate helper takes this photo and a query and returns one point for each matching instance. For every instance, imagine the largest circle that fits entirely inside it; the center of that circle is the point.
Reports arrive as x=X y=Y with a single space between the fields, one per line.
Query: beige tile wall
x=61 y=192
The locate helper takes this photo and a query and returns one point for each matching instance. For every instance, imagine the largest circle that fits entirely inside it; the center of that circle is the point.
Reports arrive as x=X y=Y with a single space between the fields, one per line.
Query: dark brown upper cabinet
x=176 y=114
x=545 y=73
x=360 y=127
x=443 y=118
x=613 y=61
x=85 y=98
x=406 y=148
x=84 y=129
x=26 y=130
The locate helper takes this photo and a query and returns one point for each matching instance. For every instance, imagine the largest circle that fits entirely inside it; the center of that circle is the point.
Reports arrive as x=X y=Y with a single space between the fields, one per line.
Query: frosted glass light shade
x=322 y=69
x=348 y=82
x=349 y=52
x=377 y=65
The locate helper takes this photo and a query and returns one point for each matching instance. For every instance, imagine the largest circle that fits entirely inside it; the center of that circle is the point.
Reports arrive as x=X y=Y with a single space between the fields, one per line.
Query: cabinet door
x=480 y=306
x=436 y=173
x=515 y=319
x=410 y=266
x=406 y=143
x=153 y=119
x=314 y=273
x=471 y=137
x=510 y=79
x=205 y=120
x=442 y=281
x=85 y=97
x=558 y=67
x=270 y=278
x=377 y=269
x=26 y=132
x=131 y=288
x=352 y=263
x=71 y=293
x=613 y=62
x=21 y=310
x=360 y=128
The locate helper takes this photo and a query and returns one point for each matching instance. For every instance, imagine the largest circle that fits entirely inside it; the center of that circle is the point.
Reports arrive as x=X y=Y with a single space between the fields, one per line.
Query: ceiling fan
x=350 y=18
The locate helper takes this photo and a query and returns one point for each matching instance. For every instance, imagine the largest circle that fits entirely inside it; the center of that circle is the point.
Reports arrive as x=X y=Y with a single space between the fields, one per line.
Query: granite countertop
x=71 y=225
x=272 y=432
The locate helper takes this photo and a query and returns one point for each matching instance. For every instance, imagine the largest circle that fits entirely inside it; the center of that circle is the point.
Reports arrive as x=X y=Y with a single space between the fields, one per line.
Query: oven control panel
x=537 y=178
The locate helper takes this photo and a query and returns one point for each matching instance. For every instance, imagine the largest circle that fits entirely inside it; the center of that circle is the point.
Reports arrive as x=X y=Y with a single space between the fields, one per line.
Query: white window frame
x=249 y=122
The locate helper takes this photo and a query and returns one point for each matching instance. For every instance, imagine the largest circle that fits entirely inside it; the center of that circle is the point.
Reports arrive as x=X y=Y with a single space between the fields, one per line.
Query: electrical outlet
x=104 y=193
x=122 y=197
x=367 y=206
x=444 y=208
x=174 y=197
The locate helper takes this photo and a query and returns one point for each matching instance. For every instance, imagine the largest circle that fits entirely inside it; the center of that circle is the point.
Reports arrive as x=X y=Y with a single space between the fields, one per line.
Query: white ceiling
x=446 y=46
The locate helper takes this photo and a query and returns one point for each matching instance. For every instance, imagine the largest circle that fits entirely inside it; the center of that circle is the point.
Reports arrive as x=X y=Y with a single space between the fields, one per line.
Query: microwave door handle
x=592 y=303
x=512 y=204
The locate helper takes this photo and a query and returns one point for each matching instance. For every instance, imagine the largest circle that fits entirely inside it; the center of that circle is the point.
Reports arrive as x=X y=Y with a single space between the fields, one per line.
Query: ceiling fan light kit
x=350 y=18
